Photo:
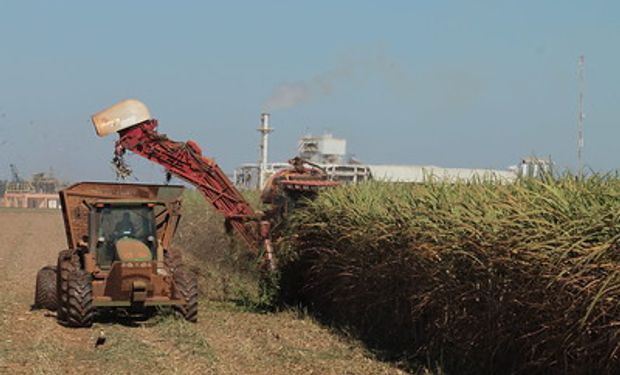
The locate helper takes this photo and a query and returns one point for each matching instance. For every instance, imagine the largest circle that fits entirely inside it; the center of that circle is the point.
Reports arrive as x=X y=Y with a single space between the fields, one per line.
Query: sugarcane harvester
x=138 y=133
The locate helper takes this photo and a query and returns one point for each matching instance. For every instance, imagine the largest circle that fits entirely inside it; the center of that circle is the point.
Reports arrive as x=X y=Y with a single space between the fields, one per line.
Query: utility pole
x=581 y=115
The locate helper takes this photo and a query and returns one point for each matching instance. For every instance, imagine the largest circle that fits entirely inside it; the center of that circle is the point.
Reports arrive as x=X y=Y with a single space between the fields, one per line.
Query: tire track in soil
x=32 y=341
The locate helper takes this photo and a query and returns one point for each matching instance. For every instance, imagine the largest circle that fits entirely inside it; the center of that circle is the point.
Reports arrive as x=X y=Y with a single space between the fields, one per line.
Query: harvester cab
x=119 y=253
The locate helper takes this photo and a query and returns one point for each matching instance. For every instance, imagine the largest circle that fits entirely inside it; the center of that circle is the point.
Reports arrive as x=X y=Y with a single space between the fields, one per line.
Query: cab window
x=116 y=222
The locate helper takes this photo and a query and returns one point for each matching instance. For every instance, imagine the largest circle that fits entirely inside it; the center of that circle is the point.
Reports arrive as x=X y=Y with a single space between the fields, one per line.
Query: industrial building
x=330 y=153
x=426 y=173
x=39 y=192
x=325 y=151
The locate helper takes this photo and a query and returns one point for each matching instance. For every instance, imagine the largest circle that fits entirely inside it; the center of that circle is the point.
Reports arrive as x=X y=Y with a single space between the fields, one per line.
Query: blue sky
x=451 y=83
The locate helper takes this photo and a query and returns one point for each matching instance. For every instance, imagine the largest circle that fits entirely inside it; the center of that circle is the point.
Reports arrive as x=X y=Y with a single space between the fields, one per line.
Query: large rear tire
x=68 y=262
x=186 y=289
x=80 y=309
x=46 y=294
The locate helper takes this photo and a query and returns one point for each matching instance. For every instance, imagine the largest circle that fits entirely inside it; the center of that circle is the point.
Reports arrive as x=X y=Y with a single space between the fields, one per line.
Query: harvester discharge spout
x=120 y=116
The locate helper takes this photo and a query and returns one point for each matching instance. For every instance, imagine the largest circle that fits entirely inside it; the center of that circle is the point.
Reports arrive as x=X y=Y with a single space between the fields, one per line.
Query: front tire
x=46 y=295
x=186 y=289
x=68 y=262
x=80 y=309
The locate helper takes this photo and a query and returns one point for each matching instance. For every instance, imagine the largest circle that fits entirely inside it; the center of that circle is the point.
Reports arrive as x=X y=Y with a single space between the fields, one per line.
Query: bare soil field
x=227 y=339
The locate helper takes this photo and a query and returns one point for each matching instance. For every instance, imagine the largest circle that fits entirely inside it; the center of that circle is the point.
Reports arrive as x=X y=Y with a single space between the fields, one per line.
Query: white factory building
x=425 y=173
x=330 y=153
x=326 y=151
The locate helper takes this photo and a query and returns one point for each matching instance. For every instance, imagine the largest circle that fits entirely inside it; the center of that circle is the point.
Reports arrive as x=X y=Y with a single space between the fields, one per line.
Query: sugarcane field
x=342 y=188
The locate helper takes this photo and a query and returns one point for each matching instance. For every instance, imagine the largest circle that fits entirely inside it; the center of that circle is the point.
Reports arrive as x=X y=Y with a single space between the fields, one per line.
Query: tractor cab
x=123 y=231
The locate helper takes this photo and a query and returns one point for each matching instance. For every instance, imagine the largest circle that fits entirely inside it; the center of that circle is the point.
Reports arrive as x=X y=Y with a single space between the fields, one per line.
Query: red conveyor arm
x=185 y=160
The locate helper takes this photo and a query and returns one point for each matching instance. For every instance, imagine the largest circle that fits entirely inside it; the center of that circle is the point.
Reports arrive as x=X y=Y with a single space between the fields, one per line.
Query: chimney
x=264 y=149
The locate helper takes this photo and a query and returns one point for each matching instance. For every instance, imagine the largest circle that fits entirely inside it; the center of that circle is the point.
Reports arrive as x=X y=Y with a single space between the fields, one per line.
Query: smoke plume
x=443 y=87
x=290 y=94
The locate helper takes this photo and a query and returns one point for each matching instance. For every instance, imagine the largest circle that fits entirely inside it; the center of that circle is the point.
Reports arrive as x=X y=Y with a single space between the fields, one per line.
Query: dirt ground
x=227 y=339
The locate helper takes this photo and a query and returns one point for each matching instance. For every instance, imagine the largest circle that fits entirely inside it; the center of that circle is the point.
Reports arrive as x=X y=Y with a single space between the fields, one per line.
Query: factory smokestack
x=264 y=148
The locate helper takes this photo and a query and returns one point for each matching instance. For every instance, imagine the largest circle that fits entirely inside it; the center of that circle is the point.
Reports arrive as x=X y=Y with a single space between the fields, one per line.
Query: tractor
x=119 y=255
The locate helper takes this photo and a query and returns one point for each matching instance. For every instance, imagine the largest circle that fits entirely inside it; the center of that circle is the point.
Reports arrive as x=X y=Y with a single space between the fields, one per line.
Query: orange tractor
x=119 y=234
x=119 y=253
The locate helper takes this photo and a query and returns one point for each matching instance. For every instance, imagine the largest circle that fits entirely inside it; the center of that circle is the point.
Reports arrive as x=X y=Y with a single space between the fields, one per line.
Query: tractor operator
x=125 y=226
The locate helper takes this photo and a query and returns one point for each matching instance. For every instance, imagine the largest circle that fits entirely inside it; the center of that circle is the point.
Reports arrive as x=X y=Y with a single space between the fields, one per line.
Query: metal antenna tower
x=581 y=115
